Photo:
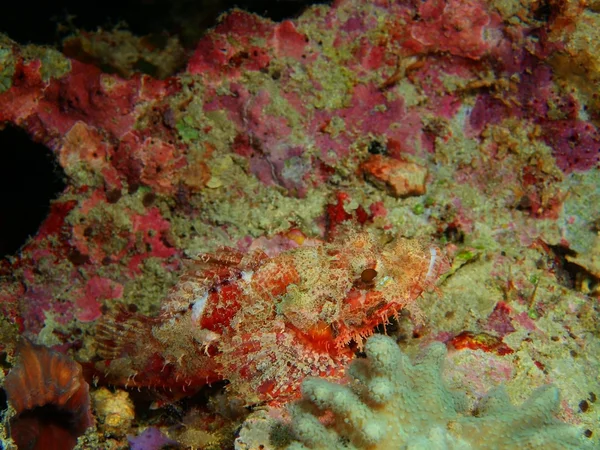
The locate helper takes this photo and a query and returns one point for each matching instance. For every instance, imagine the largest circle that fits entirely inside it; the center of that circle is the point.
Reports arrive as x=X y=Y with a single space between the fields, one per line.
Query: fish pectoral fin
x=120 y=334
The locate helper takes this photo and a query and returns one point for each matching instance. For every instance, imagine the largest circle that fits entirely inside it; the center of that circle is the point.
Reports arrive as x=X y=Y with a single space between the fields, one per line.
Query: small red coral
x=481 y=341
x=50 y=397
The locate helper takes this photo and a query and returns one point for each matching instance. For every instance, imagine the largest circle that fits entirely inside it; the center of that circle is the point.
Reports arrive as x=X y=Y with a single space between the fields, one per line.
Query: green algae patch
x=148 y=290
x=418 y=209
x=53 y=63
x=191 y=120
x=9 y=331
x=579 y=219
x=7 y=68
x=336 y=82
x=223 y=130
x=186 y=130
x=266 y=211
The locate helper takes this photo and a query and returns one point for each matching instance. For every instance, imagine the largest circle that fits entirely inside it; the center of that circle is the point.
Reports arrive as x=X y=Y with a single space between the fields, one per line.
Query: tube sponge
x=392 y=402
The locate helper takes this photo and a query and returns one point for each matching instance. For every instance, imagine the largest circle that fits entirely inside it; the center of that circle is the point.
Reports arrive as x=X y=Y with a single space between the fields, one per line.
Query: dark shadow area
x=37 y=22
x=3 y=400
x=29 y=179
x=47 y=427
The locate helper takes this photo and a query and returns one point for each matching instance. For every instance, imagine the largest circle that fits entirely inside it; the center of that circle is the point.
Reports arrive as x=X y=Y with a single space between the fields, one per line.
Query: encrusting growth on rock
x=393 y=403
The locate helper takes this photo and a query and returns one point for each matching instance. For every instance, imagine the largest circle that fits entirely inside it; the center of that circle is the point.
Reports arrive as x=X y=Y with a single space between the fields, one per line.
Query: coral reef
x=393 y=403
x=114 y=412
x=271 y=120
x=50 y=399
x=469 y=125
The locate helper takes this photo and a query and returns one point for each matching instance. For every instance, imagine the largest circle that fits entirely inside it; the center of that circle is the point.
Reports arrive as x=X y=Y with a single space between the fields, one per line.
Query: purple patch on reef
x=150 y=439
x=284 y=166
x=487 y=110
x=535 y=89
x=575 y=144
x=499 y=320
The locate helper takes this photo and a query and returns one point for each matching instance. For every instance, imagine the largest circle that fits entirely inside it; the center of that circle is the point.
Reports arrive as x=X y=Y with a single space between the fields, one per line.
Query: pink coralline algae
x=89 y=299
x=457 y=27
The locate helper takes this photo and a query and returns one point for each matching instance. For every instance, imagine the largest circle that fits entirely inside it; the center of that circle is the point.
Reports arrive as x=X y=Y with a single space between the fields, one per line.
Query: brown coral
x=50 y=397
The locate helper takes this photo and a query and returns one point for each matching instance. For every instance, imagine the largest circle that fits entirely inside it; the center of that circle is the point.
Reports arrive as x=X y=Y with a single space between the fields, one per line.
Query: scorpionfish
x=265 y=323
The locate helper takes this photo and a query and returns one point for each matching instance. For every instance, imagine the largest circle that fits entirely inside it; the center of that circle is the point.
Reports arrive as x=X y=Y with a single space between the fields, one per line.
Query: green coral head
x=392 y=402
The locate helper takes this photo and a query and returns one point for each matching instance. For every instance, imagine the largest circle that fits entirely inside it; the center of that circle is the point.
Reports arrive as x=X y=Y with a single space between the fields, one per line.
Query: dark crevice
x=29 y=179
x=3 y=401
x=34 y=428
x=565 y=271
x=568 y=273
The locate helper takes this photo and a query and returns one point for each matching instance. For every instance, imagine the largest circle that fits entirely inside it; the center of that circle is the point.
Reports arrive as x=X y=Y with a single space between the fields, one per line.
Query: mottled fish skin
x=265 y=323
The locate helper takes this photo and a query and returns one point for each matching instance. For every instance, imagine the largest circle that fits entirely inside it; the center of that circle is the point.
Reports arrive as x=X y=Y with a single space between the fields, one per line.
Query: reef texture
x=468 y=125
x=393 y=403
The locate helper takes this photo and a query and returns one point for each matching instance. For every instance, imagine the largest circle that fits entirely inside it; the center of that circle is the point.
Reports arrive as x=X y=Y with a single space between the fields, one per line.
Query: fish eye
x=368 y=275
